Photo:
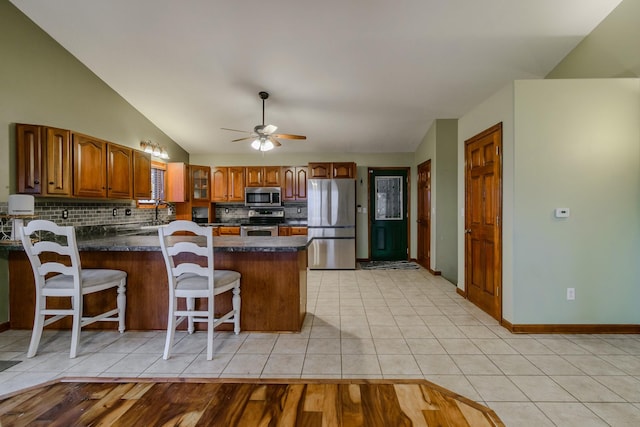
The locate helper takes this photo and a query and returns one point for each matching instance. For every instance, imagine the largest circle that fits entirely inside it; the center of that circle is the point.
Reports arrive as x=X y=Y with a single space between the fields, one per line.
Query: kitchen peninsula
x=273 y=286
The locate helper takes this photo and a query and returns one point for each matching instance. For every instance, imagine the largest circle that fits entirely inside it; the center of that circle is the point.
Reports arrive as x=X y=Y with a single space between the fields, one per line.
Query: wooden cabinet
x=58 y=162
x=236 y=184
x=227 y=184
x=298 y=231
x=188 y=187
x=177 y=190
x=101 y=169
x=89 y=167
x=344 y=170
x=294 y=183
x=263 y=176
x=200 y=176
x=141 y=175
x=226 y=230
x=219 y=184
x=119 y=172
x=43 y=160
x=340 y=170
x=320 y=170
x=29 y=152
x=284 y=230
x=289 y=230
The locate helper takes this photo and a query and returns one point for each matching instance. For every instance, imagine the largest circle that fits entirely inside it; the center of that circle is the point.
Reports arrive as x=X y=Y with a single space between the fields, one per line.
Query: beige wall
x=440 y=146
x=611 y=50
x=575 y=144
x=425 y=151
x=41 y=83
x=496 y=109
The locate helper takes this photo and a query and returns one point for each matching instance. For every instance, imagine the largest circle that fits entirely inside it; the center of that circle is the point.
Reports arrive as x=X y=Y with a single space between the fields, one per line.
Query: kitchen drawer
x=298 y=231
x=225 y=230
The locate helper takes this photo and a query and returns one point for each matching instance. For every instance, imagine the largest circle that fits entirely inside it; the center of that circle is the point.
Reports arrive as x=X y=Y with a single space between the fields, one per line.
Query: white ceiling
x=352 y=75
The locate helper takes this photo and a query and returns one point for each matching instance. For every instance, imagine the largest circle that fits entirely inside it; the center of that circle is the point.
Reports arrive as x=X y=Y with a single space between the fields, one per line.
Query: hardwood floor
x=239 y=402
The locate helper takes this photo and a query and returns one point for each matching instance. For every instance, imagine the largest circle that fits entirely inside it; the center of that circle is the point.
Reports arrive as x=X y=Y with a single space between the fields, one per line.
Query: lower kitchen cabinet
x=298 y=231
x=284 y=230
x=288 y=230
x=225 y=230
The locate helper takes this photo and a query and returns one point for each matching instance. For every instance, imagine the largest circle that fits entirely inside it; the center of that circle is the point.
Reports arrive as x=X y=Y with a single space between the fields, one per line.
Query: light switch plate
x=562 y=212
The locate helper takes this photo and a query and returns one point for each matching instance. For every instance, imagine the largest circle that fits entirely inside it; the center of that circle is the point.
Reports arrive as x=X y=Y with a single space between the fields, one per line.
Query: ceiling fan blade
x=236 y=130
x=269 y=129
x=274 y=141
x=288 y=136
x=242 y=139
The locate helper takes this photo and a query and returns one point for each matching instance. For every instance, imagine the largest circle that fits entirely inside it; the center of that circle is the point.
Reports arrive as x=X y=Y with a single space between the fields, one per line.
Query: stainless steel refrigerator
x=331 y=216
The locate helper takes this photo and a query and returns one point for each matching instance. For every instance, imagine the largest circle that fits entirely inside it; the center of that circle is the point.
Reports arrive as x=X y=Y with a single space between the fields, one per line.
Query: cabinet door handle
x=36 y=182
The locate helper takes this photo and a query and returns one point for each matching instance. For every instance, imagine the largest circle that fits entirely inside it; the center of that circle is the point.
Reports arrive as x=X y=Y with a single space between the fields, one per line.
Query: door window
x=388 y=198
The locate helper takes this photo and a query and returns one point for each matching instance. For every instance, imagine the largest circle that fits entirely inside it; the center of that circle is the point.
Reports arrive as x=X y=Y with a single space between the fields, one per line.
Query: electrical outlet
x=65 y=214
x=571 y=294
x=115 y=212
x=226 y=210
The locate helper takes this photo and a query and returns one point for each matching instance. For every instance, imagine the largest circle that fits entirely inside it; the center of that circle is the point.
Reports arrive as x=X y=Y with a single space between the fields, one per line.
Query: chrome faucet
x=157 y=209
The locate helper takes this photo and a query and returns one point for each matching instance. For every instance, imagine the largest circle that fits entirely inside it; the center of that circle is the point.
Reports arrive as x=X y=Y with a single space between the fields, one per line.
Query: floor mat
x=389 y=265
x=6 y=364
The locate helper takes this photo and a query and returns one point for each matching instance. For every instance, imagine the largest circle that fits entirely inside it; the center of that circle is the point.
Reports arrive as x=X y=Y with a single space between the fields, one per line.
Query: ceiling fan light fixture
x=264 y=134
x=262 y=144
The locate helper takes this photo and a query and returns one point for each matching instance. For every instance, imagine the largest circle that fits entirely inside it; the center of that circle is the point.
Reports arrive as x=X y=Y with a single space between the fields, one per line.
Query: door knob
x=467 y=231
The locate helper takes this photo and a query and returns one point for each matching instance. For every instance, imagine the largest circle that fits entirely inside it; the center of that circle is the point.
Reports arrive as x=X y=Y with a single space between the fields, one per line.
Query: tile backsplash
x=90 y=215
x=93 y=217
x=236 y=212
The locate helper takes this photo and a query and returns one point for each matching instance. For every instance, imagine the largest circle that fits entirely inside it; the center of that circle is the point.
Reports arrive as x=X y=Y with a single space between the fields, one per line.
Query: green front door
x=388 y=214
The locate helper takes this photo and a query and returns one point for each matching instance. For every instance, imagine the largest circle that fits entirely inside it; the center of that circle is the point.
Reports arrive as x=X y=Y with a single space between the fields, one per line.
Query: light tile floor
x=378 y=324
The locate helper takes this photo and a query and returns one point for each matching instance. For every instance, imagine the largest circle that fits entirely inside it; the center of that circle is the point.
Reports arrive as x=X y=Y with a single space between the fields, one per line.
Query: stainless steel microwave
x=262 y=196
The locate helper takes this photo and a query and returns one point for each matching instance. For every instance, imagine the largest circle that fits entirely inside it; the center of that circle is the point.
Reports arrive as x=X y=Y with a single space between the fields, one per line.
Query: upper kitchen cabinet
x=227 y=184
x=344 y=170
x=29 y=152
x=89 y=166
x=339 y=170
x=294 y=183
x=200 y=176
x=101 y=169
x=263 y=176
x=120 y=172
x=58 y=162
x=320 y=170
x=141 y=175
x=177 y=190
x=43 y=156
x=63 y=163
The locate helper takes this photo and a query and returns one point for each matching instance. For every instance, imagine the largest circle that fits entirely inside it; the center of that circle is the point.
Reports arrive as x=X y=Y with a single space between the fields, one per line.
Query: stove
x=262 y=222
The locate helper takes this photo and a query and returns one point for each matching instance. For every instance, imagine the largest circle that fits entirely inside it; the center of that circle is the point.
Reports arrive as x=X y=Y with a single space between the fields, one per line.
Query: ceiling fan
x=264 y=138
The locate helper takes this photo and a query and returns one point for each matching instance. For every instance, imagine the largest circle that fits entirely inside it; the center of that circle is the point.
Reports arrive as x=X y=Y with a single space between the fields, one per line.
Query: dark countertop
x=291 y=222
x=140 y=243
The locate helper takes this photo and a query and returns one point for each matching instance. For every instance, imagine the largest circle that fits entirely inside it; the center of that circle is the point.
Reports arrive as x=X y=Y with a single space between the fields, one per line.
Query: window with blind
x=157 y=185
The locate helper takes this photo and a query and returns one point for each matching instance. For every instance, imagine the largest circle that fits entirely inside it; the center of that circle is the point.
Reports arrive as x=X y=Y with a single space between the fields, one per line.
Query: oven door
x=259 y=230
